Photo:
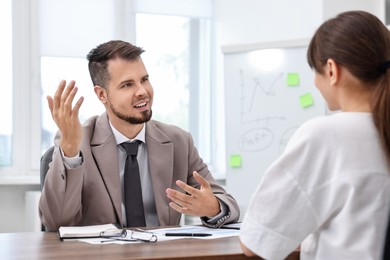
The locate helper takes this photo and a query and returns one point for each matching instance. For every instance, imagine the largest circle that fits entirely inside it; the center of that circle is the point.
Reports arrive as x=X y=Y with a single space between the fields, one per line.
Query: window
x=54 y=69
x=174 y=46
x=168 y=64
x=46 y=49
x=6 y=83
x=64 y=44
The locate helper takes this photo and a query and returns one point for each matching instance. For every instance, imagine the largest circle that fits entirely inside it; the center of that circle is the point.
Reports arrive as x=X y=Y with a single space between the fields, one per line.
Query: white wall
x=13 y=208
x=254 y=21
x=332 y=7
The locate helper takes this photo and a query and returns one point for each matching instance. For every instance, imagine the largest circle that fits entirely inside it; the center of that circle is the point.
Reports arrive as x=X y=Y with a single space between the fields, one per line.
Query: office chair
x=44 y=167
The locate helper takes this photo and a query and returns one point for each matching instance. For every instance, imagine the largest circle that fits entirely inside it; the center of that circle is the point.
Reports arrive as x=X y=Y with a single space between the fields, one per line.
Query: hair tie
x=385 y=65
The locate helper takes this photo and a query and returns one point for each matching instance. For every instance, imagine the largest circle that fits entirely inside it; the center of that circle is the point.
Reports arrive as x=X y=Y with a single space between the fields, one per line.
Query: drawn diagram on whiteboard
x=260 y=89
x=262 y=134
x=256 y=139
x=286 y=137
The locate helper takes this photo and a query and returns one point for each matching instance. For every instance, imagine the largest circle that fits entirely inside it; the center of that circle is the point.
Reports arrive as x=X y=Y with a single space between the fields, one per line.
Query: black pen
x=187 y=234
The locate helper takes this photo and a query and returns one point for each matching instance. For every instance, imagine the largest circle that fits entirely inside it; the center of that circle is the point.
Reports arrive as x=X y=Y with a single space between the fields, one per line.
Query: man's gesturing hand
x=67 y=117
x=198 y=202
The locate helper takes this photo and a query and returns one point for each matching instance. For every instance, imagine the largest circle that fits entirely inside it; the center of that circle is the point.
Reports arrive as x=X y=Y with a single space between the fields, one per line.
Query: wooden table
x=46 y=245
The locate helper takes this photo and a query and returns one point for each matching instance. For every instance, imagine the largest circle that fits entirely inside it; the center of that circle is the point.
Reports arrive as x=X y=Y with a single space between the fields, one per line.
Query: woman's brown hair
x=360 y=42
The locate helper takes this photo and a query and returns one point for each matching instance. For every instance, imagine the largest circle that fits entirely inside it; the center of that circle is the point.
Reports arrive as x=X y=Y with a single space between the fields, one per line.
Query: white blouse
x=328 y=192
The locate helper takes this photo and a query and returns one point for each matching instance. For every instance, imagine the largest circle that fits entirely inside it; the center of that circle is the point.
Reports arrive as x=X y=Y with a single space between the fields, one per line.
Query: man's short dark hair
x=99 y=56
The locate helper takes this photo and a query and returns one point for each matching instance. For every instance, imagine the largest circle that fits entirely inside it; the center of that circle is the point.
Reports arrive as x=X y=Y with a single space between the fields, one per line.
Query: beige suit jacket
x=90 y=194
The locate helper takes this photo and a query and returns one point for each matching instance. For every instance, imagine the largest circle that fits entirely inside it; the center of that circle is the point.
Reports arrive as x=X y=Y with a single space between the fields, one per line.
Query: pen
x=187 y=234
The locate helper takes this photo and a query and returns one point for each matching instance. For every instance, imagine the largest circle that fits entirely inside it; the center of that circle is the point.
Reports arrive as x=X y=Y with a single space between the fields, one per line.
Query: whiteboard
x=269 y=93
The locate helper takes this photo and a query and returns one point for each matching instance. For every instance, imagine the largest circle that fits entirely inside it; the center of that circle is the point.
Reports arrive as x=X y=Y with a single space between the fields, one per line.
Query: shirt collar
x=120 y=138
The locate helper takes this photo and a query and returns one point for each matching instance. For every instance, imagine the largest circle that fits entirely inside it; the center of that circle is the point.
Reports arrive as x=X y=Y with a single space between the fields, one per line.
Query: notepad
x=77 y=232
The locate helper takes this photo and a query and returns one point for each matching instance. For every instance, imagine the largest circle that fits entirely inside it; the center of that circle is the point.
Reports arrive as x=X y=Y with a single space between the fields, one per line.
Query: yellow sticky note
x=235 y=161
x=306 y=100
x=292 y=79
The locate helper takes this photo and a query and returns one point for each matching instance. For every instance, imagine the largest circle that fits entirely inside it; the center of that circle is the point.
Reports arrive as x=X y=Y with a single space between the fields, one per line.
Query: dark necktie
x=133 y=192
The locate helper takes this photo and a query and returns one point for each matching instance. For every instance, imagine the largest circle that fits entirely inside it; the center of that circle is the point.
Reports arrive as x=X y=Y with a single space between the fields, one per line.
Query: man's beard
x=145 y=116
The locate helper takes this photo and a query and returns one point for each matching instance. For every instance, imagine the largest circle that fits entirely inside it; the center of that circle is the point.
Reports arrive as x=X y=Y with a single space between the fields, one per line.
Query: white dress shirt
x=151 y=218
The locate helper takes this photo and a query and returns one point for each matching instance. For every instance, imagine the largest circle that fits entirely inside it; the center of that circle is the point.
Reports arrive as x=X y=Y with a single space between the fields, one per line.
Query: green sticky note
x=292 y=79
x=306 y=100
x=235 y=161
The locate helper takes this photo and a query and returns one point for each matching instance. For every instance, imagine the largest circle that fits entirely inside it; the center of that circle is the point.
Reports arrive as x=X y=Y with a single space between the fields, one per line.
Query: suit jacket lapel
x=104 y=150
x=160 y=155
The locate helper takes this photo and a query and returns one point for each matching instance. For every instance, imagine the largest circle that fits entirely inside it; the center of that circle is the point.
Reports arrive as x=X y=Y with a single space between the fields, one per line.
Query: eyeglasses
x=128 y=235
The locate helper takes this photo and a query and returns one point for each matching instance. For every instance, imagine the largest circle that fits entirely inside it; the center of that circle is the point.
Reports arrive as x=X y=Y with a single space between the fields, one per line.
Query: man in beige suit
x=84 y=184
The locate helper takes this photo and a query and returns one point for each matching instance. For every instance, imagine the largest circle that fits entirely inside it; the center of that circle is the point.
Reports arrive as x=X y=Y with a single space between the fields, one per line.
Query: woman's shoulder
x=331 y=128
x=336 y=123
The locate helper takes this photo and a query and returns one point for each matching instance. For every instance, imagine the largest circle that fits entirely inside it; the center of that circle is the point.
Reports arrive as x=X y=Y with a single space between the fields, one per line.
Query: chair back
x=44 y=167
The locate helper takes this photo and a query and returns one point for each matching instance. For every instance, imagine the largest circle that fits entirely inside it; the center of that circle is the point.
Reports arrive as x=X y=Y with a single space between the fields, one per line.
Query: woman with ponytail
x=329 y=192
